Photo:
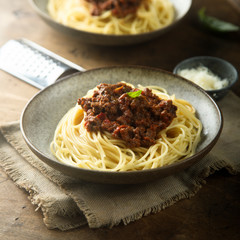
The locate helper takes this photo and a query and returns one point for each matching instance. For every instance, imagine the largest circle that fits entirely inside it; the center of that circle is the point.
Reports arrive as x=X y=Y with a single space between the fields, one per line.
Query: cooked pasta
x=149 y=16
x=74 y=145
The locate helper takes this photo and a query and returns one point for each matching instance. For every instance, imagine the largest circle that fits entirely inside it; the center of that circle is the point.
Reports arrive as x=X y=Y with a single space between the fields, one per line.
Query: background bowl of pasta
x=44 y=111
x=90 y=24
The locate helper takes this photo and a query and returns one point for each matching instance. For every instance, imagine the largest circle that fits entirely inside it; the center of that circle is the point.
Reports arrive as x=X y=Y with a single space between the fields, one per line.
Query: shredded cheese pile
x=203 y=77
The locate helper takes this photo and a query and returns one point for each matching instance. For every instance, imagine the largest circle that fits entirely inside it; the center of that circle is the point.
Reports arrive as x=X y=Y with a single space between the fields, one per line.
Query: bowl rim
x=196 y=156
x=49 y=18
x=213 y=58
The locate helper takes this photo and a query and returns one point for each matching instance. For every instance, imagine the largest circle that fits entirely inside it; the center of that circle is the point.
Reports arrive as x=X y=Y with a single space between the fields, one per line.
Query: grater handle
x=34 y=64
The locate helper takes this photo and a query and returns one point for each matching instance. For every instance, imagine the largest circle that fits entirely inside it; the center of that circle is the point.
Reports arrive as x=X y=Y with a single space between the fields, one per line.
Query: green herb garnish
x=216 y=24
x=134 y=94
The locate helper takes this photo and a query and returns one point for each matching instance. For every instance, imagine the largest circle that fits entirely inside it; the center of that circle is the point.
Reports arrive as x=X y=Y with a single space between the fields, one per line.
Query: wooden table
x=214 y=213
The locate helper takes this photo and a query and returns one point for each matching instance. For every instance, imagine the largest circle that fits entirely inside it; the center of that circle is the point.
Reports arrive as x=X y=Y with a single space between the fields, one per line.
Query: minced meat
x=119 y=8
x=136 y=120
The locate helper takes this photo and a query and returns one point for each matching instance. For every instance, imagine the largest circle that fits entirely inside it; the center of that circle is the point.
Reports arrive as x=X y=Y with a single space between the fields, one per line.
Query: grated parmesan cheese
x=203 y=77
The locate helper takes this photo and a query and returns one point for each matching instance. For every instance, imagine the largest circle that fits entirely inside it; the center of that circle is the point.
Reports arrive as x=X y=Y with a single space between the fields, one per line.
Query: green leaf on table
x=216 y=24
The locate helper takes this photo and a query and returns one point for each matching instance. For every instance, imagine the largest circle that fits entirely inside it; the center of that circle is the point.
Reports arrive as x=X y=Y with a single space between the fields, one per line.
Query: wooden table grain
x=214 y=213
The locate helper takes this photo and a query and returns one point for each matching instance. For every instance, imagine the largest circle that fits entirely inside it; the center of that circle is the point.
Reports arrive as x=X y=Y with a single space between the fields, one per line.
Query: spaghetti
x=73 y=144
x=149 y=15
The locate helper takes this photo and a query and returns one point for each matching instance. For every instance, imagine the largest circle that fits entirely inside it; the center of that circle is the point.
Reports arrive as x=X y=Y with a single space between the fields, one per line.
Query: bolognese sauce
x=135 y=119
x=119 y=8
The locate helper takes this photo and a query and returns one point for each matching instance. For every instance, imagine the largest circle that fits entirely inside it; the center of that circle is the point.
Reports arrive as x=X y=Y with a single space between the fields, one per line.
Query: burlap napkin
x=67 y=203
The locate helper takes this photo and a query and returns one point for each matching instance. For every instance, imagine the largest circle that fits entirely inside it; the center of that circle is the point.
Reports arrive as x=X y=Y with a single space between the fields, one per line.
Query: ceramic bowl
x=43 y=112
x=218 y=66
x=181 y=9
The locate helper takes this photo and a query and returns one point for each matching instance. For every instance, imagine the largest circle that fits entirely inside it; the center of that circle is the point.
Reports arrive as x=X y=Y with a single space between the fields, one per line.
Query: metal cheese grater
x=34 y=64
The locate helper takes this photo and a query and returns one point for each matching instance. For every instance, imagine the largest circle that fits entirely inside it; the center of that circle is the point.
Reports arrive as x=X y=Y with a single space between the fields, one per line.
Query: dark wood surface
x=214 y=213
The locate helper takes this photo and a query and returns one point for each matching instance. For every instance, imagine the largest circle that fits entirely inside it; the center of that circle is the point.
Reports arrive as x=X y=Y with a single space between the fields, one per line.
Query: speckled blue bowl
x=43 y=112
x=218 y=66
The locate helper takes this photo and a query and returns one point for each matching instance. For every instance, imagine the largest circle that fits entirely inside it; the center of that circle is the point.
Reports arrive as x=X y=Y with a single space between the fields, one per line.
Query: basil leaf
x=134 y=94
x=216 y=24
